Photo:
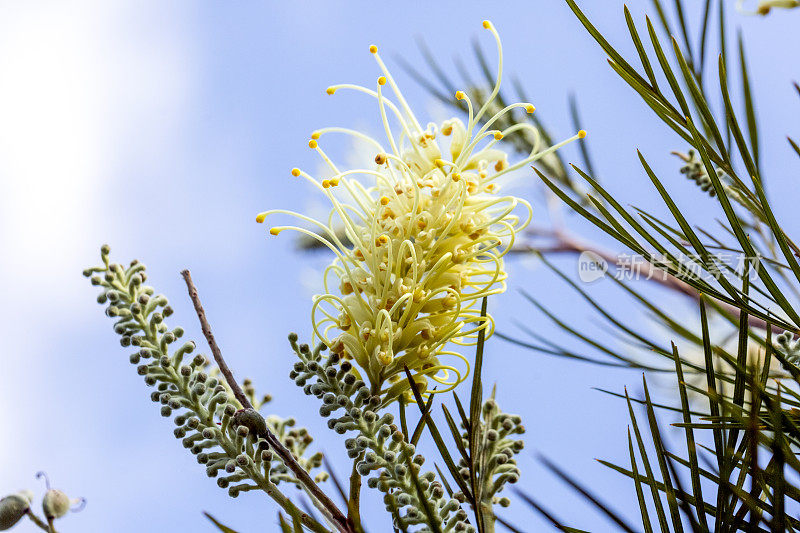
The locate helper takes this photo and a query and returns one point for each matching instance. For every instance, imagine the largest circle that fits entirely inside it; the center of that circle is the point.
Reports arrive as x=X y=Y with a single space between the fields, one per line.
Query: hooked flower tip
x=382 y=80
x=581 y=134
x=295 y=172
x=530 y=108
x=373 y=49
x=312 y=143
x=459 y=95
x=274 y=231
x=261 y=217
x=330 y=90
x=487 y=24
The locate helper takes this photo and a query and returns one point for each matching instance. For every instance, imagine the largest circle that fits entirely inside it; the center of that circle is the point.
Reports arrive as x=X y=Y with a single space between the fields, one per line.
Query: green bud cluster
x=496 y=450
x=695 y=170
x=228 y=440
x=297 y=441
x=380 y=447
x=789 y=346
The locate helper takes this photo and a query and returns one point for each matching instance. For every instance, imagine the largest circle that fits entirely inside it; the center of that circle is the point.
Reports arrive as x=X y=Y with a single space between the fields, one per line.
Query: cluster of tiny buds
x=790 y=346
x=380 y=444
x=209 y=423
x=497 y=450
x=695 y=170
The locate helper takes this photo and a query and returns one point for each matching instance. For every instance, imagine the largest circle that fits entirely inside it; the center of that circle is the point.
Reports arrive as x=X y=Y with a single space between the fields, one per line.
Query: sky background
x=163 y=128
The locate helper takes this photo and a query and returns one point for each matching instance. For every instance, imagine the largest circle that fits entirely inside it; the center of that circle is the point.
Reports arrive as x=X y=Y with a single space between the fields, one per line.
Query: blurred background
x=163 y=128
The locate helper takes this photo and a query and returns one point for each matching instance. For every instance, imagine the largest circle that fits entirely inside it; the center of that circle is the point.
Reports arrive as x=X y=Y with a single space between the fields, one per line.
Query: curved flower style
x=423 y=242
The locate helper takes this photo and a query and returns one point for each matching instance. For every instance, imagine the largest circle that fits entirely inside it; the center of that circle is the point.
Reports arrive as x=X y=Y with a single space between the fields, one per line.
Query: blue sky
x=163 y=128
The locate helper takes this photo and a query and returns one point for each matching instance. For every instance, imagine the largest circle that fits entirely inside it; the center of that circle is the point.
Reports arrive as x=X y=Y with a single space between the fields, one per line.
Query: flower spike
x=418 y=239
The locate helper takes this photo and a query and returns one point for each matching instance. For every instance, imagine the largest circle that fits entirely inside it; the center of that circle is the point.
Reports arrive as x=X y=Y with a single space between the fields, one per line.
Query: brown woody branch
x=561 y=243
x=326 y=505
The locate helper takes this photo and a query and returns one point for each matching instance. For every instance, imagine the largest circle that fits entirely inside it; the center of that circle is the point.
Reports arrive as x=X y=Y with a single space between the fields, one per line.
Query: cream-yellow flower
x=426 y=232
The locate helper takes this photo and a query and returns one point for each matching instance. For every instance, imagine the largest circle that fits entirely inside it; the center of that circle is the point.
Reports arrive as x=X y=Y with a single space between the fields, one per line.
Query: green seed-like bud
x=13 y=508
x=252 y=420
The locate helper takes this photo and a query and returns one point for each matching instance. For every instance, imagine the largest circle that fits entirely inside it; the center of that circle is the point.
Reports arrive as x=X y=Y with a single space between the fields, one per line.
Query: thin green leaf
x=437 y=439
x=662 y=460
x=662 y=517
x=750 y=113
x=218 y=524
x=648 y=527
x=612 y=515
x=694 y=469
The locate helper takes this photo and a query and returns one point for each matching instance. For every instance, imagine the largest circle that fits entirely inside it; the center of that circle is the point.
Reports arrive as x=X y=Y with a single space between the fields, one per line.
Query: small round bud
x=55 y=504
x=251 y=420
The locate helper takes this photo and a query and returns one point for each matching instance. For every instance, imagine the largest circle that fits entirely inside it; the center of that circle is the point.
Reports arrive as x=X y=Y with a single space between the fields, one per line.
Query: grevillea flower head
x=419 y=238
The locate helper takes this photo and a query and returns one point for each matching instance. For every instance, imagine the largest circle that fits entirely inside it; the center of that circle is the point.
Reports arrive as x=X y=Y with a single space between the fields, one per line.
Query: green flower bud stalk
x=211 y=425
x=380 y=448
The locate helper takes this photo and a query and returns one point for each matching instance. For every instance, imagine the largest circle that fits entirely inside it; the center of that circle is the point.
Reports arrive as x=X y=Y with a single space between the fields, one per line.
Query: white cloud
x=75 y=83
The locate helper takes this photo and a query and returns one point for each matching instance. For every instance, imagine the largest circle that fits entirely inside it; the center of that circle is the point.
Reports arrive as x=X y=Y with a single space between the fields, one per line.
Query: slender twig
x=565 y=244
x=337 y=518
x=354 y=500
x=39 y=522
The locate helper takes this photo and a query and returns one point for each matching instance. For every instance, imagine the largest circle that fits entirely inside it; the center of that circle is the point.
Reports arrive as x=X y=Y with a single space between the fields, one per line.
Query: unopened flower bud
x=13 y=508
